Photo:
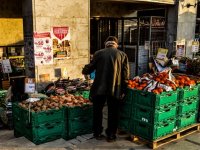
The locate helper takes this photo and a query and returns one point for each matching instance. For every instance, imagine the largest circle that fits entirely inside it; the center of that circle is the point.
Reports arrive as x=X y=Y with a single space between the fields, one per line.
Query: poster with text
x=61 y=42
x=43 y=52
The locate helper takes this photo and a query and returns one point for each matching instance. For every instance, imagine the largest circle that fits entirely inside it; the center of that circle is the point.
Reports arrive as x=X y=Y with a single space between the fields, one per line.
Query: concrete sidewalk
x=9 y=142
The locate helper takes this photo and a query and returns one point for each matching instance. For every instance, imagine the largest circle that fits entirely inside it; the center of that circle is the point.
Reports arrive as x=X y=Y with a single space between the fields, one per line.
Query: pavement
x=9 y=142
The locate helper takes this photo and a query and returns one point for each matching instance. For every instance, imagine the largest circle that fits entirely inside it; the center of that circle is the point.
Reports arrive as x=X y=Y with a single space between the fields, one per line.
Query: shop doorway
x=125 y=29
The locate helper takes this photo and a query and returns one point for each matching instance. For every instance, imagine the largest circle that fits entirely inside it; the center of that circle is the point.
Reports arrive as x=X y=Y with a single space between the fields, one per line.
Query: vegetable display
x=55 y=102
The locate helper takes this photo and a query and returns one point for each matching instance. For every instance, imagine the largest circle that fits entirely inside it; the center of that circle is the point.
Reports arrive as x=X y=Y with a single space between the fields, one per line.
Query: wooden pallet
x=168 y=138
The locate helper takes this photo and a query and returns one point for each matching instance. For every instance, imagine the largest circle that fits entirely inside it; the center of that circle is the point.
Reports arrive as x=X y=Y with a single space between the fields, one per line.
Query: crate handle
x=143 y=110
x=166 y=124
x=143 y=94
x=169 y=94
x=188 y=116
x=49 y=126
x=167 y=110
x=142 y=125
x=190 y=103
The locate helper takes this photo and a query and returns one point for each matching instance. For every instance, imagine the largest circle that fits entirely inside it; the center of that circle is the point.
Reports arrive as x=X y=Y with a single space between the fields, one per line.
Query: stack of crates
x=79 y=121
x=152 y=115
x=125 y=111
x=188 y=106
x=38 y=127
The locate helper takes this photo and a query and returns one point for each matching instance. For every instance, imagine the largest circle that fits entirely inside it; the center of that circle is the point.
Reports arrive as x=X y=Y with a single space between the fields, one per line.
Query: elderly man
x=111 y=77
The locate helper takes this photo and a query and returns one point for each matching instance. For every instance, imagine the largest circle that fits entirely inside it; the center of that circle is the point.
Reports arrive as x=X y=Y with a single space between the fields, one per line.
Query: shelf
x=15 y=57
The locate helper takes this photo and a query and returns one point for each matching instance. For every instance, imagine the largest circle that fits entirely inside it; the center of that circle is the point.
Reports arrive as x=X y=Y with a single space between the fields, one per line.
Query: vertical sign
x=180 y=48
x=6 y=66
x=29 y=85
x=61 y=42
x=195 y=46
x=43 y=52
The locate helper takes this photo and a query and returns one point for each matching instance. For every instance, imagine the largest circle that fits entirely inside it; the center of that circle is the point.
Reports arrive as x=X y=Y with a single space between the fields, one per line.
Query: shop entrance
x=125 y=29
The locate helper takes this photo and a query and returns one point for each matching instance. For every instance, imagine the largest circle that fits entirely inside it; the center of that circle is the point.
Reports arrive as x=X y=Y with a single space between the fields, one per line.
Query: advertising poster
x=180 y=48
x=61 y=42
x=43 y=52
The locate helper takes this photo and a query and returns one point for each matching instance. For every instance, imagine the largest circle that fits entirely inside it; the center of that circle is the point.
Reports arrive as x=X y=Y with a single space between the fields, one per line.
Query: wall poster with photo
x=61 y=42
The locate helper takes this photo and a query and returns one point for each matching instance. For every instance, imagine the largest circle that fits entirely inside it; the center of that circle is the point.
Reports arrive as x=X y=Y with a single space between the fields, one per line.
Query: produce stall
x=159 y=105
x=62 y=111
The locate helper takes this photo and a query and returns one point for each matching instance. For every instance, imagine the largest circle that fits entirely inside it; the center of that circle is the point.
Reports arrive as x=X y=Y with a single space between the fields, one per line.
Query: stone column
x=41 y=16
x=172 y=18
x=187 y=12
x=27 y=13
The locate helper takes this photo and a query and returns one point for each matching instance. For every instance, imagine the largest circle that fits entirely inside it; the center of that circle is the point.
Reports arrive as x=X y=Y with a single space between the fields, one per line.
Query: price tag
x=195 y=46
x=29 y=85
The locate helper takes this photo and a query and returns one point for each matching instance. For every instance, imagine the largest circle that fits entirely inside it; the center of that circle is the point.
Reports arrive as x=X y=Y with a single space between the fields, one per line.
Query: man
x=111 y=77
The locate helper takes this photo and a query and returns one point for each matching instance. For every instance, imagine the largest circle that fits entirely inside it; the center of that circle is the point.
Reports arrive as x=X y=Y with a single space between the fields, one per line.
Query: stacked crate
x=188 y=106
x=45 y=126
x=150 y=116
x=79 y=121
x=38 y=127
x=125 y=111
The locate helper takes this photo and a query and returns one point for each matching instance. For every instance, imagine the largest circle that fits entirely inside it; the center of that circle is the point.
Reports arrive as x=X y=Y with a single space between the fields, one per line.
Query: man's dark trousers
x=113 y=112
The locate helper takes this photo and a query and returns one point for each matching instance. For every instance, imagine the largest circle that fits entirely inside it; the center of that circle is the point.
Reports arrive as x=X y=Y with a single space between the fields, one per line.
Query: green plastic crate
x=187 y=119
x=153 y=132
x=38 y=118
x=129 y=96
x=44 y=131
x=35 y=119
x=154 y=100
x=125 y=109
x=76 y=112
x=78 y=126
x=188 y=92
x=17 y=133
x=188 y=105
x=85 y=94
x=153 y=116
x=124 y=123
x=17 y=112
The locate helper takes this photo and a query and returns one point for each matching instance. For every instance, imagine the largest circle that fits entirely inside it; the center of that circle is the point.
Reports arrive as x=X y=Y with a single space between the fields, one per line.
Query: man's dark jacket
x=112 y=72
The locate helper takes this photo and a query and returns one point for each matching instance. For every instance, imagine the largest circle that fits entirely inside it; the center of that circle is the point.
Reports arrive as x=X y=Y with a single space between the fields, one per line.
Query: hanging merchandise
x=43 y=48
x=61 y=42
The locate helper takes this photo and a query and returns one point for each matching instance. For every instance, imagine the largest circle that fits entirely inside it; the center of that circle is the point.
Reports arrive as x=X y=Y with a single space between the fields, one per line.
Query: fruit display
x=160 y=82
x=55 y=102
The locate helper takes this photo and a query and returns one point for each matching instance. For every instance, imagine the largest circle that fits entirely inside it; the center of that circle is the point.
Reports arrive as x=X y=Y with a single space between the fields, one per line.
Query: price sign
x=29 y=85
x=6 y=66
x=195 y=46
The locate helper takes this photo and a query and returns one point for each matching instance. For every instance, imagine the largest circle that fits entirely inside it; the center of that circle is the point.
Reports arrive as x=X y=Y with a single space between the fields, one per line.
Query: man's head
x=111 y=41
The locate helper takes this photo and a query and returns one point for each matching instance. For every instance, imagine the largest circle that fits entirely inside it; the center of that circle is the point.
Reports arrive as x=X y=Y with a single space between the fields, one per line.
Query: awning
x=170 y=2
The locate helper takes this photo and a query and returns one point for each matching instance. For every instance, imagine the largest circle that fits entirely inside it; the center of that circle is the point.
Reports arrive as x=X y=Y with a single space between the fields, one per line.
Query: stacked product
x=52 y=118
x=188 y=104
x=155 y=104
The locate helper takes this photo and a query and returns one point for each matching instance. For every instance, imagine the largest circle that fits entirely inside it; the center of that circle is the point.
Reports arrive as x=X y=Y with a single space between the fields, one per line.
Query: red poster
x=61 y=42
x=60 y=32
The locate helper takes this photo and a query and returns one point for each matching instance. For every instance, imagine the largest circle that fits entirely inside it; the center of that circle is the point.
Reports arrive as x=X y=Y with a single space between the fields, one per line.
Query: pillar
x=187 y=12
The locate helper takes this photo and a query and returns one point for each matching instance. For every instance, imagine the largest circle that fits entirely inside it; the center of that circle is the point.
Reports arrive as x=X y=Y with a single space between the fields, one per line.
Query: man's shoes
x=99 y=136
x=111 y=138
